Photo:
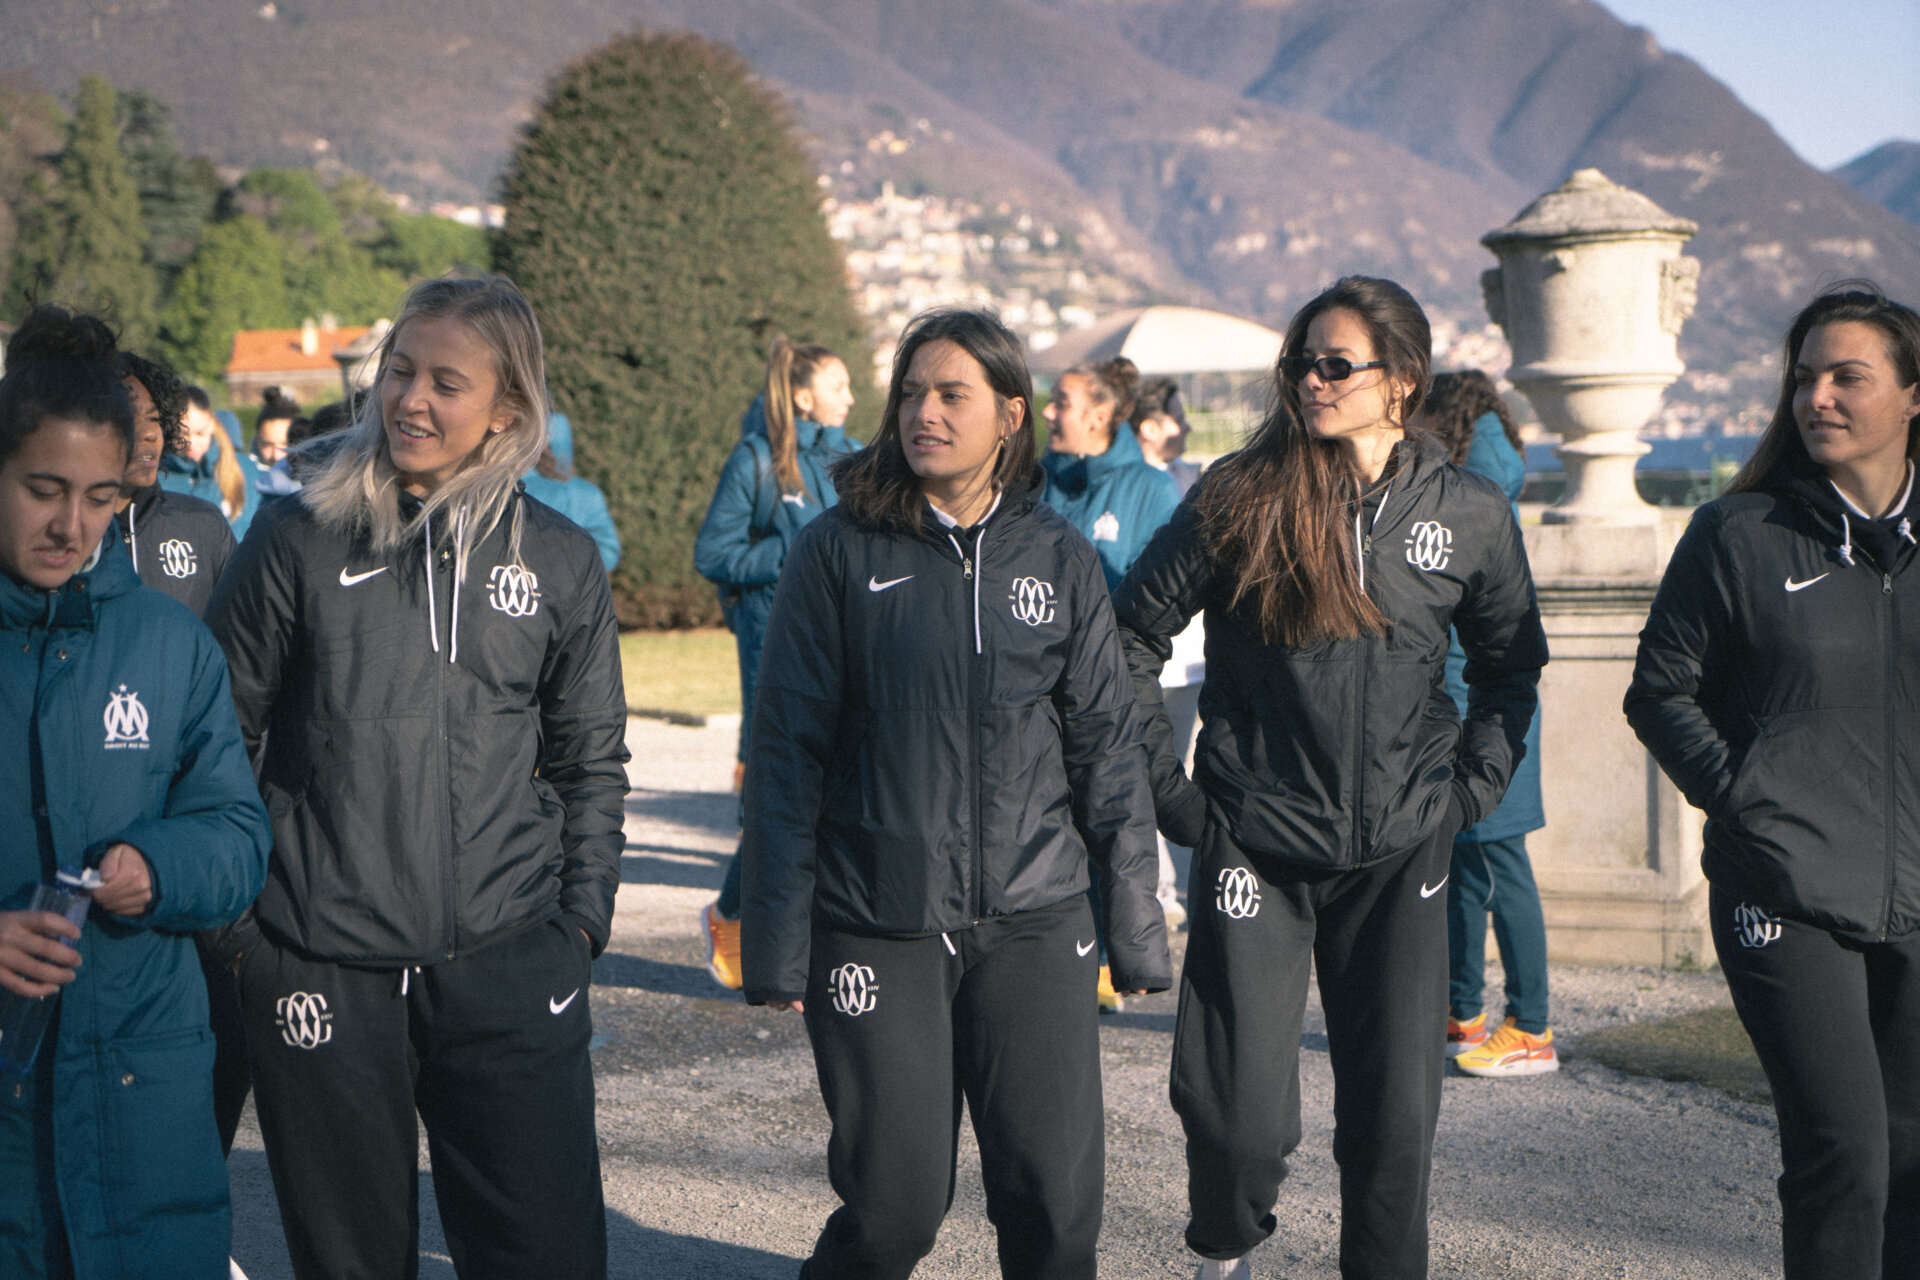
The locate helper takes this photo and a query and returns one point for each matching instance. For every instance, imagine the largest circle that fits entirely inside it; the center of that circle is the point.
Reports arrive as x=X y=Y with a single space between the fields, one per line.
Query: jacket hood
x=143 y=500
x=808 y=435
x=560 y=438
x=1074 y=474
x=1799 y=479
x=70 y=606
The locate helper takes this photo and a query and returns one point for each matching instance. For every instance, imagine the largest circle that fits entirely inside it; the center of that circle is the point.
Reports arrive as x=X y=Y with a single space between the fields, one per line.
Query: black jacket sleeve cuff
x=1185 y=817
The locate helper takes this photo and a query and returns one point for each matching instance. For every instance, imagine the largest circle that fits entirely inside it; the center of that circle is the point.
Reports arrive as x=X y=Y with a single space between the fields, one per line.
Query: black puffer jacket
x=1346 y=752
x=180 y=544
x=443 y=761
x=943 y=734
x=1778 y=684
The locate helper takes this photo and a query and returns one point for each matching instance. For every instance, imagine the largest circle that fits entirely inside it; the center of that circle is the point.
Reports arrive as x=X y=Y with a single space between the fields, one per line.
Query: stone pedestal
x=1618 y=862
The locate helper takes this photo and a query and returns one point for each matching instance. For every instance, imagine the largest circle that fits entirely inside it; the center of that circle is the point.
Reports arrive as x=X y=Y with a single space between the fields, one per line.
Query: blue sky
x=1834 y=77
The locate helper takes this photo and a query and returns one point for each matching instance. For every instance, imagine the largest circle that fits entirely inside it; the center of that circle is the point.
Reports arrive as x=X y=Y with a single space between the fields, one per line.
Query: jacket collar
x=1075 y=474
x=72 y=605
x=1799 y=479
x=1017 y=501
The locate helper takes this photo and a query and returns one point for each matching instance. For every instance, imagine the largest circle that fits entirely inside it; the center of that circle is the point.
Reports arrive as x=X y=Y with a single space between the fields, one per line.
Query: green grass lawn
x=1709 y=1047
x=680 y=675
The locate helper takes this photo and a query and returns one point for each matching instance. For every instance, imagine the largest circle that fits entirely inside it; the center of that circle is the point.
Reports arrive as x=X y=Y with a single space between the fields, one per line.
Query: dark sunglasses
x=1330 y=368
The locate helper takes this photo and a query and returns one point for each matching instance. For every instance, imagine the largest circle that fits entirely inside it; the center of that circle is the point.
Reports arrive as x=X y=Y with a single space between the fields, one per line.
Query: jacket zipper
x=1363 y=546
x=975 y=897
x=1886 y=701
x=446 y=765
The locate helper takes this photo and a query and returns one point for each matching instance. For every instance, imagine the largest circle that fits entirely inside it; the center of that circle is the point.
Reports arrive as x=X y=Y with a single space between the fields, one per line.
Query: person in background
x=1332 y=554
x=1096 y=476
x=288 y=473
x=211 y=467
x=553 y=482
x=776 y=481
x=122 y=754
x=1778 y=684
x=1160 y=422
x=277 y=412
x=179 y=544
x=1491 y=871
x=1098 y=480
x=427 y=665
x=944 y=757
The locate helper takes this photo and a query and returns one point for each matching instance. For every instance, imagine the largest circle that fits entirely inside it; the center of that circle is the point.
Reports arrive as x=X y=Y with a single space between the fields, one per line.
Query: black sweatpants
x=1001 y=1014
x=1836 y=1024
x=231 y=1078
x=490 y=1049
x=1379 y=937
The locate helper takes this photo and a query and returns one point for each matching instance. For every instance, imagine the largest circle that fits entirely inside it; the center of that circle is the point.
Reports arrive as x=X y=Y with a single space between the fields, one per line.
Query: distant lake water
x=1694 y=455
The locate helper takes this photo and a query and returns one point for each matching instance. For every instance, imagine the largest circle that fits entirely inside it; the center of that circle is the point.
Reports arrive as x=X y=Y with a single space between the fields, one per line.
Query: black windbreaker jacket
x=1345 y=752
x=1778 y=684
x=943 y=735
x=180 y=544
x=443 y=761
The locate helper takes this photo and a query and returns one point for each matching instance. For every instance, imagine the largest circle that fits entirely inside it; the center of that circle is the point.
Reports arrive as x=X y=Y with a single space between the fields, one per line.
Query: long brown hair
x=1277 y=515
x=877 y=485
x=1456 y=401
x=1861 y=302
x=789 y=366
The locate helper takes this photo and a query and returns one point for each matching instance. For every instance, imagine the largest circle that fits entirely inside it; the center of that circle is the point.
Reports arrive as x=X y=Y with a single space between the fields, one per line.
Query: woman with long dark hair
x=943 y=757
x=1778 y=684
x=776 y=480
x=427 y=663
x=1491 y=873
x=123 y=759
x=1331 y=555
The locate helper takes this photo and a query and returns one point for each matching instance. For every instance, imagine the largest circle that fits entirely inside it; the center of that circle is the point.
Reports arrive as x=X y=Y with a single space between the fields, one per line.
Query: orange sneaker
x=1511 y=1052
x=1462 y=1036
x=723 y=947
x=1110 y=1001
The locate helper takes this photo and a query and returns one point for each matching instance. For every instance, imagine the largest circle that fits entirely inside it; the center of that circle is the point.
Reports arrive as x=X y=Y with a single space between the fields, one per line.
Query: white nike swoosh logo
x=1802 y=586
x=560 y=1006
x=1428 y=893
x=874 y=584
x=348 y=579
x=1082 y=947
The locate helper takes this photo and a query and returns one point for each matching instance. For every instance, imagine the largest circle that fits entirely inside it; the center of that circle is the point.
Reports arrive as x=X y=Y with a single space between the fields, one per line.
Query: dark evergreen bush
x=665 y=222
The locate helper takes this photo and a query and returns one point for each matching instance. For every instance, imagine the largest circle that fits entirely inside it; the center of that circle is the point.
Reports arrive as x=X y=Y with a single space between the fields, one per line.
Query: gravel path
x=713 y=1138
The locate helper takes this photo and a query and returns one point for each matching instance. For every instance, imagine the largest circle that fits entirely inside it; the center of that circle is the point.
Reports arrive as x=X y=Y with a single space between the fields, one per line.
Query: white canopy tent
x=1167 y=341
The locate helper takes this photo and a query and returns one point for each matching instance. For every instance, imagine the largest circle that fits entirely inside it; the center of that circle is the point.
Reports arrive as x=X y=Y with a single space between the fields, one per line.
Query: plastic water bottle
x=23 y=1021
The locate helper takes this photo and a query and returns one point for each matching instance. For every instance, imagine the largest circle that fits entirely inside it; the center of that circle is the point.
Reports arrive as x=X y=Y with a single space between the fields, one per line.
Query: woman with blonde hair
x=427 y=665
x=775 y=482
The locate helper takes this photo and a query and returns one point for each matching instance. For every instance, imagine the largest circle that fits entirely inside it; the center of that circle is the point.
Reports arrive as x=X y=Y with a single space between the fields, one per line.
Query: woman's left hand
x=128 y=890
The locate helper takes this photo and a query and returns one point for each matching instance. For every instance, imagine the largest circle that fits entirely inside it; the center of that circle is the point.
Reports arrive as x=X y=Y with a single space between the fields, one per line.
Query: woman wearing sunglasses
x=1331 y=555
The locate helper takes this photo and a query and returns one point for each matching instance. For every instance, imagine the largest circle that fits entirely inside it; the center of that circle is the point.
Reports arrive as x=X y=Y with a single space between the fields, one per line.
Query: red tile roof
x=278 y=350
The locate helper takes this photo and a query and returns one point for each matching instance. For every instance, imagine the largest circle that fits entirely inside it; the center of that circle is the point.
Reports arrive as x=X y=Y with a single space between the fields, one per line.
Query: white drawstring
x=405 y=973
x=949 y=941
x=1358 y=553
x=1846 y=540
x=1906 y=530
x=133 y=534
x=433 y=616
x=962 y=552
x=459 y=572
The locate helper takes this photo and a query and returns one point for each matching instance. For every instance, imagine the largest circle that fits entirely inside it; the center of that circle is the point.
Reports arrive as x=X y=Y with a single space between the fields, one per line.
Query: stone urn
x=1591 y=291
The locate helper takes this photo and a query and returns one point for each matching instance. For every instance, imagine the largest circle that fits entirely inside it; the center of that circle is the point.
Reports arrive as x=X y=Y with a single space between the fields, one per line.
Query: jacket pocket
x=163 y=1177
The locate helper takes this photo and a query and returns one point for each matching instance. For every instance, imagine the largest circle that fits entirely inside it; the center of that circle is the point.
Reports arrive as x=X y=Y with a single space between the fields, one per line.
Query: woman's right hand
x=34 y=962
x=798 y=1006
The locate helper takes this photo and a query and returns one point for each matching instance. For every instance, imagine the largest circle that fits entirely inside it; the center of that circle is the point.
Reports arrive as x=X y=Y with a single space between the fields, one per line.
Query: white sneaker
x=1231 y=1269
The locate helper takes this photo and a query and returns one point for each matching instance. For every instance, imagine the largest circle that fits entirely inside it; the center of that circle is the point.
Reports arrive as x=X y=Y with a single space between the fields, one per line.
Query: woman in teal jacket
x=122 y=753
x=1096 y=475
x=774 y=483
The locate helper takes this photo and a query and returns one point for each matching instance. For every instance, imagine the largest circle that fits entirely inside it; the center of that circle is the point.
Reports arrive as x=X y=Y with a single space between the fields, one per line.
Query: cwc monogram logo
x=1032 y=601
x=1237 y=893
x=854 y=989
x=303 y=1019
x=177 y=558
x=1756 y=927
x=513 y=591
x=1429 y=546
x=126 y=721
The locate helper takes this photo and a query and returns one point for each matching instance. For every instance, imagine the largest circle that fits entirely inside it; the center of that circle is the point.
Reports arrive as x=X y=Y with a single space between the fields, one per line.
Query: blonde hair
x=790 y=367
x=357 y=489
x=227 y=473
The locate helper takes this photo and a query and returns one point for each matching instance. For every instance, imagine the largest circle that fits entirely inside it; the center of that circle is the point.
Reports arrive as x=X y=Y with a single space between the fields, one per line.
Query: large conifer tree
x=83 y=243
x=666 y=224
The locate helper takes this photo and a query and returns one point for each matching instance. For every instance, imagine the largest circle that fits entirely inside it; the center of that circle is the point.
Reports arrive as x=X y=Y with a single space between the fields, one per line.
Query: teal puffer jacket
x=116 y=724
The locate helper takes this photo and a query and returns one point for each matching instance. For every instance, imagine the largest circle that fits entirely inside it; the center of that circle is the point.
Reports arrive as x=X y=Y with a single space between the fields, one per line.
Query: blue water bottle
x=23 y=1021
